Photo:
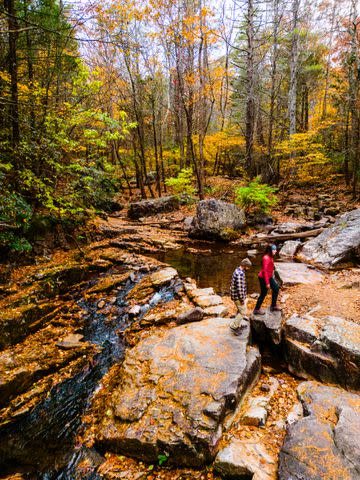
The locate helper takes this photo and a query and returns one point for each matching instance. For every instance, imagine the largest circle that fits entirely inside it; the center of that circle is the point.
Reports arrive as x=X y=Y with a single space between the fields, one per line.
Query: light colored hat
x=246 y=262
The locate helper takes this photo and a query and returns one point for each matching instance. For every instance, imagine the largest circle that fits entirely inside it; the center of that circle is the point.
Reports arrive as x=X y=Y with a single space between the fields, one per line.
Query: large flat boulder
x=336 y=244
x=146 y=208
x=292 y=273
x=216 y=220
x=327 y=349
x=173 y=391
x=325 y=443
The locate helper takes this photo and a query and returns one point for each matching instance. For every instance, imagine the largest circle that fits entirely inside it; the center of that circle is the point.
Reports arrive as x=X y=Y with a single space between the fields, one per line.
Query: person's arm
x=266 y=264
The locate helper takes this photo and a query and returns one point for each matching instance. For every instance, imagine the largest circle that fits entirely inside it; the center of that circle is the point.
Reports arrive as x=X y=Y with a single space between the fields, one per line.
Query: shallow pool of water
x=212 y=266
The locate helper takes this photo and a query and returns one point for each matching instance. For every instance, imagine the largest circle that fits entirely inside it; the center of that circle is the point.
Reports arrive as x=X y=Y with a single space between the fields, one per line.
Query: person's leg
x=275 y=292
x=241 y=315
x=262 y=294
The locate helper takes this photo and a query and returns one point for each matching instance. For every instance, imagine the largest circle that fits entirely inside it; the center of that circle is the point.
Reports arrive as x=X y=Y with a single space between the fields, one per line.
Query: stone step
x=208 y=301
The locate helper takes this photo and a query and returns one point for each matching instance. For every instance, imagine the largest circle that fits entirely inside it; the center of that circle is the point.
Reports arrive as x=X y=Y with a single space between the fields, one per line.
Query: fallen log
x=283 y=236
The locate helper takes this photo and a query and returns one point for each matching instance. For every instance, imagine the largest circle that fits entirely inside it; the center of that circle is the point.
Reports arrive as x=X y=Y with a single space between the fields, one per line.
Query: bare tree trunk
x=346 y=148
x=354 y=80
x=328 y=61
x=118 y=158
x=156 y=154
x=250 y=89
x=275 y=46
x=294 y=66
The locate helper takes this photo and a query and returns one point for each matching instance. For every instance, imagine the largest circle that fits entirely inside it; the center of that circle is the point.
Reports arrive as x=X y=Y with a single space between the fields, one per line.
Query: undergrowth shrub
x=15 y=217
x=256 y=197
x=183 y=183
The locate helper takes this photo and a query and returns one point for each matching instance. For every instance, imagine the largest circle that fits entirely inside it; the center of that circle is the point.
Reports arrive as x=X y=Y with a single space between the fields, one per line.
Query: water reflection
x=212 y=268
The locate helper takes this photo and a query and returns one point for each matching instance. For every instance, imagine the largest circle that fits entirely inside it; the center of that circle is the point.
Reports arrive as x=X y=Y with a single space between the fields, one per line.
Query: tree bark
x=294 y=56
x=250 y=90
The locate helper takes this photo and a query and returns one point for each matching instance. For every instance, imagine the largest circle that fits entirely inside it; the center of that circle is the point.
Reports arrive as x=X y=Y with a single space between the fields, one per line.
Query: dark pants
x=275 y=292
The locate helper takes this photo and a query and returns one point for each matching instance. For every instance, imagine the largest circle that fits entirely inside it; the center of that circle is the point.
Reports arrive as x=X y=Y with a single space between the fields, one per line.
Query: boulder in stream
x=152 y=283
x=173 y=391
x=146 y=208
x=327 y=349
x=338 y=243
x=325 y=443
x=216 y=220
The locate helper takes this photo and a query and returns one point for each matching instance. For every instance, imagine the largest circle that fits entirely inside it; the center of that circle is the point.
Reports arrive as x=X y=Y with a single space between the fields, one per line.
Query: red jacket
x=267 y=269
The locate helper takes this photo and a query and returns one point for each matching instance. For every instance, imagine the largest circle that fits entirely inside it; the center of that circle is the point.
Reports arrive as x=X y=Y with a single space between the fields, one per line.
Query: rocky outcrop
x=216 y=220
x=173 y=391
x=146 y=208
x=18 y=322
x=324 y=444
x=327 y=349
x=244 y=459
x=336 y=244
x=292 y=273
x=267 y=328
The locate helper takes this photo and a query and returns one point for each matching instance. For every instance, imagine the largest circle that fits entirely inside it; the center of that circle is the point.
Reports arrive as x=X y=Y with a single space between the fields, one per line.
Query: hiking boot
x=259 y=312
x=238 y=327
x=275 y=309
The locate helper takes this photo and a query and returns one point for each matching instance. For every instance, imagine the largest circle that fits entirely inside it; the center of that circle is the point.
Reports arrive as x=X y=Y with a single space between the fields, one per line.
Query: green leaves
x=256 y=196
x=163 y=458
x=183 y=183
x=15 y=217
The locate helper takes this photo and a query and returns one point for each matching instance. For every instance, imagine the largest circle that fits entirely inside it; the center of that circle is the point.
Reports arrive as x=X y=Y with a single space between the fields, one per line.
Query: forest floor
x=120 y=239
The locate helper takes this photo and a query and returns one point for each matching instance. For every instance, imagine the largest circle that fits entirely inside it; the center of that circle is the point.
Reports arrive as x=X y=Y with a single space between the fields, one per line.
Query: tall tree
x=294 y=56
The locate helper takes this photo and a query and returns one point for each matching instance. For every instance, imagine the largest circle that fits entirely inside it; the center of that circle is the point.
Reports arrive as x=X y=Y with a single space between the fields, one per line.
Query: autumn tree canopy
x=104 y=97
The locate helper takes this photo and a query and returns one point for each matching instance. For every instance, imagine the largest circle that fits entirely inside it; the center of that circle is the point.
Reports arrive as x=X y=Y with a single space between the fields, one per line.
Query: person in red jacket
x=266 y=279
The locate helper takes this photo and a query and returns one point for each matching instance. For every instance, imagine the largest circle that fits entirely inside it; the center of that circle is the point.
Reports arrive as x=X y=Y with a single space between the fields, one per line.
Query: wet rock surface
x=336 y=244
x=324 y=444
x=173 y=391
x=325 y=348
x=216 y=220
x=146 y=208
